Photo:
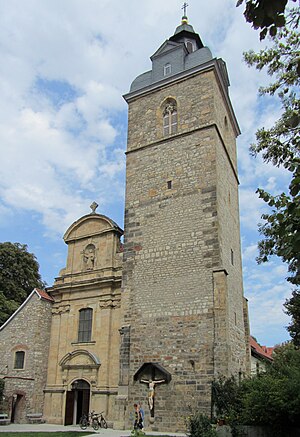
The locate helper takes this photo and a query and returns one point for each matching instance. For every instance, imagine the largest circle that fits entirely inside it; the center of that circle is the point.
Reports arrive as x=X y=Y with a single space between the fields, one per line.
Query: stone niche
x=152 y=374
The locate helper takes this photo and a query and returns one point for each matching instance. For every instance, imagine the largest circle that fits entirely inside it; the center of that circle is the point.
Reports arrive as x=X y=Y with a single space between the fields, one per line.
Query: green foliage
x=273 y=398
x=281 y=231
x=267 y=15
x=8 y=307
x=19 y=275
x=280 y=145
x=137 y=433
x=226 y=398
x=199 y=425
x=270 y=399
x=264 y=402
x=292 y=307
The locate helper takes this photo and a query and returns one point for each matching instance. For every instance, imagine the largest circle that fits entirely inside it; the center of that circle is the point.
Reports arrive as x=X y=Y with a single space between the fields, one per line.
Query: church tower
x=183 y=314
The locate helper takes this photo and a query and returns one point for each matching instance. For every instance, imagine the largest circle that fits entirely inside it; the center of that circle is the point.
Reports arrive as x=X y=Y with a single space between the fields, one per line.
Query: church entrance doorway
x=77 y=402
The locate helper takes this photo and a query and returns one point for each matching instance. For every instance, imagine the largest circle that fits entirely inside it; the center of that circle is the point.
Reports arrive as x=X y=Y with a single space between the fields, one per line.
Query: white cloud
x=251 y=208
x=250 y=252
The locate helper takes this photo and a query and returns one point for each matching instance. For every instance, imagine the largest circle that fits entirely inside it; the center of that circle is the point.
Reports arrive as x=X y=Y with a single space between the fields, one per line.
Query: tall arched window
x=85 y=325
x=19 y=360
x=170 y=118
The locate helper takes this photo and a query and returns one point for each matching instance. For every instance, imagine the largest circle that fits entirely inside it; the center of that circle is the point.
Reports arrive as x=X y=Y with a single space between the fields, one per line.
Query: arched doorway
x=77 y=402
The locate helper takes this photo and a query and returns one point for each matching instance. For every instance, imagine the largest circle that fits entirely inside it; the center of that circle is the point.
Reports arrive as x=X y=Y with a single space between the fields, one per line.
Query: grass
x=46 y=434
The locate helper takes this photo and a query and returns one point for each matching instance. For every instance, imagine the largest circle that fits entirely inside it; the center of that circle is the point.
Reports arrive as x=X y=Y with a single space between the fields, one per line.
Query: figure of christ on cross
x=151 y=385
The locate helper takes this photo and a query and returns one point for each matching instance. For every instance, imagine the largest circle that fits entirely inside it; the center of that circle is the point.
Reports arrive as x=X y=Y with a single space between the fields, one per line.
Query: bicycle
x=90 y=419
x=101 y=421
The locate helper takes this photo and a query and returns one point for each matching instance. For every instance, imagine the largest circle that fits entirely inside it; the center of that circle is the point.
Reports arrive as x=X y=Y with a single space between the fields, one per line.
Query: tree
x=269 y=399
x=280 y=145
x=19 y=275
x=265 y=15
x=273 y=398
x=292 y=307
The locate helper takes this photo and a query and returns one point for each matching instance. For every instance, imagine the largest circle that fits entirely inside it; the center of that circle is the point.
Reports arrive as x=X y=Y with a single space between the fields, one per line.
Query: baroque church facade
x=156 y=319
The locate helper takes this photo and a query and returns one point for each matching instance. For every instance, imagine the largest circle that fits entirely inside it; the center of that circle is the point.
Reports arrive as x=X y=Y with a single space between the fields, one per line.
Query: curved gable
x=80 y=359
x=89 y=225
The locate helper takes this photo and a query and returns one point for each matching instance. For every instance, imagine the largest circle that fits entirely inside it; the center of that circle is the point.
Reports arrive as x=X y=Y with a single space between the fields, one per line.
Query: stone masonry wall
x=28 y=331
x=172 y=249
x=229 y=235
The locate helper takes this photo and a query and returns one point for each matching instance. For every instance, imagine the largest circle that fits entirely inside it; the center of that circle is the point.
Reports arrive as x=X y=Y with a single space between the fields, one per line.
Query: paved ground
x=52 y=428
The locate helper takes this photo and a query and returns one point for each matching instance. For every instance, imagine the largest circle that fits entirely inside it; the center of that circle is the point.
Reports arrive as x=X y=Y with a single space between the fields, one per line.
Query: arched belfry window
x=170 y=117
x=85 y=325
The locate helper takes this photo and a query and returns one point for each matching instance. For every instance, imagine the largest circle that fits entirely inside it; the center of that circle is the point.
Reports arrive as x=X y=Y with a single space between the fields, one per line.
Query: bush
x=199 y=425
x=270 y=399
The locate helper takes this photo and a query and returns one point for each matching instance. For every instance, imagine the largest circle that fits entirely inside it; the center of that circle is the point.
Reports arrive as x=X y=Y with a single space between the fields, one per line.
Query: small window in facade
x=167 y=69
x=170 y=118
x=190 y=46
x=19 y=360
x=231 y=256
x=169 y=185
x=85 y=325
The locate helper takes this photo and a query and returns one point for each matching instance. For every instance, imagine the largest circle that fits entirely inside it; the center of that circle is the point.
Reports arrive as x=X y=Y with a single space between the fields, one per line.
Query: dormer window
x=167 y=69
x=190 y=46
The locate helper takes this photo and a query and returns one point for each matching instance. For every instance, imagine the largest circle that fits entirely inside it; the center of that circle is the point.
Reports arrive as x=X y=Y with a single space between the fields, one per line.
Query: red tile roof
x=44 y=295
x=268 y=350
x=263 y=351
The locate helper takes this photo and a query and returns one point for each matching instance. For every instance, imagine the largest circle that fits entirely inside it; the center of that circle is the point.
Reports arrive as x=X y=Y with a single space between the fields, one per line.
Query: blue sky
x=63 y=123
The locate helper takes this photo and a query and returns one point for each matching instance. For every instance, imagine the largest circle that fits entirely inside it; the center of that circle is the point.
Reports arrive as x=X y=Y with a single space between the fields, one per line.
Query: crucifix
x=151 y=384
x=185 y=5
x=152 y=374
